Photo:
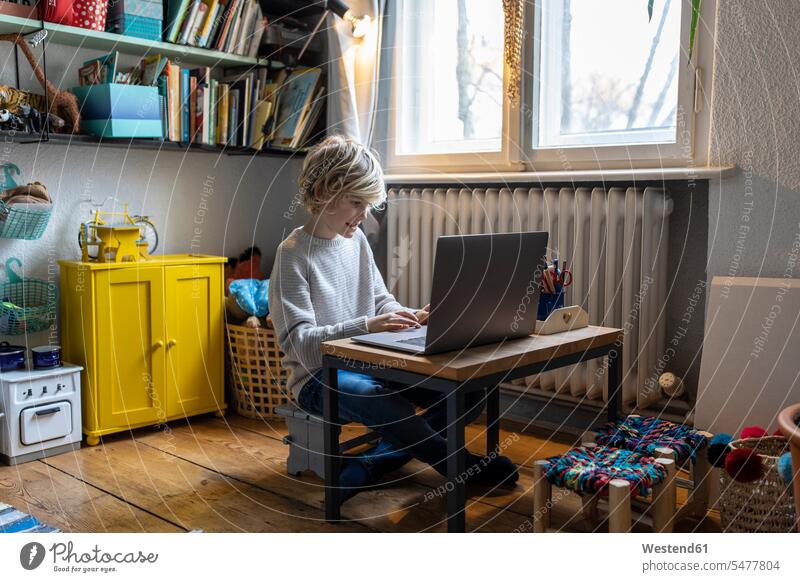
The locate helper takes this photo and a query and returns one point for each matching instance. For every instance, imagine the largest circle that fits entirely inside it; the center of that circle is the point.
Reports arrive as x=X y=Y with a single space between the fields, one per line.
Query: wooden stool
x=682 y=443
x=598 y=471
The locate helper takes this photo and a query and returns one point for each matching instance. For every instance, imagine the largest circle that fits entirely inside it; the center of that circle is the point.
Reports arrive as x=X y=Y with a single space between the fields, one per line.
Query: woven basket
x=258 y=381
x=765 y=505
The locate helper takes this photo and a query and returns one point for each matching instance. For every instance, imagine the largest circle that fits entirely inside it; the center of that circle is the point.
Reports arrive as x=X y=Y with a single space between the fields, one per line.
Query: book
x=188 y=22
x=199 y=101
x=261 y=25
x=262 y=114
x=219 y=18
x=212 y=113
x=295 y=97
x=223 y=111
x=152 y=67
x=224 y=30
x=185 y=99
x=192 y=109
x=212 y=7
x=176 y=14
x=163 y=91
x=235 y=24
x=246 y=28
x=173 y=101
x=233 y=116
x=306 y=124
x=198 y=23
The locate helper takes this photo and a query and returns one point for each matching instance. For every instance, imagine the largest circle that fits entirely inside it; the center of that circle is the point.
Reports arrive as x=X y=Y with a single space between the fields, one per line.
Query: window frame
x=520 y=128
x=510 y=136
x=681 y=152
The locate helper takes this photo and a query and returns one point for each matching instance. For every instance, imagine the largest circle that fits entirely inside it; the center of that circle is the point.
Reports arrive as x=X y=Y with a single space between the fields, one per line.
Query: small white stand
x=563 y=319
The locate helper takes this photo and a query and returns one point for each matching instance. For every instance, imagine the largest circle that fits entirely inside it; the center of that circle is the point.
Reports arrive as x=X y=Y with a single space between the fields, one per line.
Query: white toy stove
x=42 y=413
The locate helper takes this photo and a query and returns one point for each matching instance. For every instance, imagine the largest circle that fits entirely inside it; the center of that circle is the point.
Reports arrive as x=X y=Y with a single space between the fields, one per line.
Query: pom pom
x=744 y=465
x=785 y=467
x=718 y=449
x=777 y=433
x=753 y=432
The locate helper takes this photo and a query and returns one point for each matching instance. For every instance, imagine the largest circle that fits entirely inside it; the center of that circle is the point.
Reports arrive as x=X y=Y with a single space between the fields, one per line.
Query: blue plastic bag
x=251 y=295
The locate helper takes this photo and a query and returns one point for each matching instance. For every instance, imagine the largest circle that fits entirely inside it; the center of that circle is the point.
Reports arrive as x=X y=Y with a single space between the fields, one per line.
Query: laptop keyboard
x=414 y=341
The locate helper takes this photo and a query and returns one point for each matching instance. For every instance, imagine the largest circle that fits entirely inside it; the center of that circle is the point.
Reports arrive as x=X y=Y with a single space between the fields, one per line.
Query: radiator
x=614 y=239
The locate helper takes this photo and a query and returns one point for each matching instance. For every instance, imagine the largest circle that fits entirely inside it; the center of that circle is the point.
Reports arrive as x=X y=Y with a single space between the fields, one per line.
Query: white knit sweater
x=322 y=289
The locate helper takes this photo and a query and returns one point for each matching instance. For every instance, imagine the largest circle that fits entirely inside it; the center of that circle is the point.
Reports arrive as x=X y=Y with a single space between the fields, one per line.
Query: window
x=451 y=81
x=607 y=76
x=602 y=82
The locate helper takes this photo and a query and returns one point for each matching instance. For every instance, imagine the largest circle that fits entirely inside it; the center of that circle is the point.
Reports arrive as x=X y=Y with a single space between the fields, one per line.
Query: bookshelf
x=109 y=41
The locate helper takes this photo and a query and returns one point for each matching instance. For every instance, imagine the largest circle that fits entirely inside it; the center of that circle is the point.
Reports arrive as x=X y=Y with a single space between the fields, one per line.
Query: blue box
x=118 y=110
x=138 y=26
x=146 y=8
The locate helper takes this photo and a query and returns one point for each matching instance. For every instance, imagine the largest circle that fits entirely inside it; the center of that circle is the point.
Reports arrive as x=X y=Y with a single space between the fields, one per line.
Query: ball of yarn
x=718 y=449
x=744 y=465
x=785 y=467
x=753 y=432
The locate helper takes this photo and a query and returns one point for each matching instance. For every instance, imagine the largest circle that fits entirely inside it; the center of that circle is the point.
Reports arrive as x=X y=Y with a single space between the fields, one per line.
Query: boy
x=325 y=285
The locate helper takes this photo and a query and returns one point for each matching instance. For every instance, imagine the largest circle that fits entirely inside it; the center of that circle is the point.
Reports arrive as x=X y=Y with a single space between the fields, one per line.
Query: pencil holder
x=548 y=302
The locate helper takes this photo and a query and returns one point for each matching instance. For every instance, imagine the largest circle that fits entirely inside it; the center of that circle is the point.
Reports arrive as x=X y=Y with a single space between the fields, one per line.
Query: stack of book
x=232 y=26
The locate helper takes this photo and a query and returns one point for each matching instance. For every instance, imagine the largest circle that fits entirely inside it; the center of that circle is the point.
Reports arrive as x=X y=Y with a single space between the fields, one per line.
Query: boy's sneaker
x=491 y=470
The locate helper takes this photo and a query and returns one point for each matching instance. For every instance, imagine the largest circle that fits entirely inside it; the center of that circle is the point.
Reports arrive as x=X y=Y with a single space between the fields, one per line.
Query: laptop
x=485 y=289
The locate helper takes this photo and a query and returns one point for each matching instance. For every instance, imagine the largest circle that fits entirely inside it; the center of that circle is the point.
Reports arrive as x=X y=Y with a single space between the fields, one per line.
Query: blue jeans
x=389 y=409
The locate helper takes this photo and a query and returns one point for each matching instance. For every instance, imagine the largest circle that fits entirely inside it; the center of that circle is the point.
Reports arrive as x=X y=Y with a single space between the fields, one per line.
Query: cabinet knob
x=171 y=343
x=159 y=344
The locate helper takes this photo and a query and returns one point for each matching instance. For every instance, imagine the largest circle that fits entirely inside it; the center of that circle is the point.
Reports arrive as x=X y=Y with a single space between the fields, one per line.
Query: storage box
x=138 y=26
x=144 y=8
x=117 y=110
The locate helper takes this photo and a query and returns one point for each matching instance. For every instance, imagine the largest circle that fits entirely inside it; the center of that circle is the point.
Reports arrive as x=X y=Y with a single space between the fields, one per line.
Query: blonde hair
x=338 y=166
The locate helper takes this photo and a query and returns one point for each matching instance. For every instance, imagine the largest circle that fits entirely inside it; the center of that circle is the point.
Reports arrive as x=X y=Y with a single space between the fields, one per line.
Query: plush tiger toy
x=62 y=103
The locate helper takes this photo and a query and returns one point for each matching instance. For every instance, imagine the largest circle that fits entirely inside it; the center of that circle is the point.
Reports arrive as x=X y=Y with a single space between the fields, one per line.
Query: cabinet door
x=194 y=339
x=130 y=347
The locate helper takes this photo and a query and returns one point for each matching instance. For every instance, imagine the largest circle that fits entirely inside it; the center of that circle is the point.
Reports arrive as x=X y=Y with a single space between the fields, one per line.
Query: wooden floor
x=229 y=475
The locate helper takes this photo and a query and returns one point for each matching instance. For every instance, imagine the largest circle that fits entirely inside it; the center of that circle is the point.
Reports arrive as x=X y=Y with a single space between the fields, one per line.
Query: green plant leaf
x=693 y=27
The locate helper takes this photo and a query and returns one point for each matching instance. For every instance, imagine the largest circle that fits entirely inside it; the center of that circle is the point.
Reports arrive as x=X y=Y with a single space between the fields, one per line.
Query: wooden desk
x=454 y=374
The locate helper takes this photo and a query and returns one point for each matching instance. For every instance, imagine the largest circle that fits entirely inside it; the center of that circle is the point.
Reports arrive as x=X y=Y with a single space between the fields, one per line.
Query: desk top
x=481 y=360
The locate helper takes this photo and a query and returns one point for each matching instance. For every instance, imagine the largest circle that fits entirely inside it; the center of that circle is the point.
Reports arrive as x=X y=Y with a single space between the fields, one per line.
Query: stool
x=605 y=471
x=305 y=440
x=647 y=435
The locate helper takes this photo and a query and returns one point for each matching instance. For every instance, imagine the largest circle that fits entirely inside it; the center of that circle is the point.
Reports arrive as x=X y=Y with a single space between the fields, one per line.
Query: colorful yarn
x=718 y=449
x=753 y=432
x=645 y=434
x=589 y=470
x=744 y=465
x=785 y=468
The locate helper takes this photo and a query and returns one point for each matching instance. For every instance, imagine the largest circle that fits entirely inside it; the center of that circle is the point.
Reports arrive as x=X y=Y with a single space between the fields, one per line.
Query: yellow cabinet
x=149 y=336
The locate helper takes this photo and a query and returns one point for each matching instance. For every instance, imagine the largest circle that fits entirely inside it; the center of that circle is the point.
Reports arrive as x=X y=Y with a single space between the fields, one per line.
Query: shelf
x=109 y=41
x=146 y=144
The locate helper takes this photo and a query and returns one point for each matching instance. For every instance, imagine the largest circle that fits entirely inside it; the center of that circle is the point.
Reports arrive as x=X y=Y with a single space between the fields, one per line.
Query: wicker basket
x=765 y=505
x=258 y=381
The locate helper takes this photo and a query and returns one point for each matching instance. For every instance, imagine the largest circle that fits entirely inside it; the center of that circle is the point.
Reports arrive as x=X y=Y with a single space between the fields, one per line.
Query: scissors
x=563 y=278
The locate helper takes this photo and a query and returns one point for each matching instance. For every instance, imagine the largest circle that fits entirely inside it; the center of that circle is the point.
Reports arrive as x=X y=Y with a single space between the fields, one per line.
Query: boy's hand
x=422 y=314
x=394 y=321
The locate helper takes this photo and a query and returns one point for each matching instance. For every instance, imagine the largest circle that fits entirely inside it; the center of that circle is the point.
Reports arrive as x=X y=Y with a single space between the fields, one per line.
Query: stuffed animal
x=62 y=103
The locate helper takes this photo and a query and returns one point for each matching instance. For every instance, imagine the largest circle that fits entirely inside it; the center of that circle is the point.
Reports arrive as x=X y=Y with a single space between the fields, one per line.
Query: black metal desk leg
x=614 y=382
x=492 y=419
x=330 y=410
x=456 y=457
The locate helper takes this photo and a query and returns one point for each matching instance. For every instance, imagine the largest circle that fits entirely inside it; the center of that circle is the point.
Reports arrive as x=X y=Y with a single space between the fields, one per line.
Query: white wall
x=200 y=202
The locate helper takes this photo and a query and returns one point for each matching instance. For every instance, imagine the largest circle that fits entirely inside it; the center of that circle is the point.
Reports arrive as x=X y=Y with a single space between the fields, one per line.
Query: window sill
x=631 y=175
